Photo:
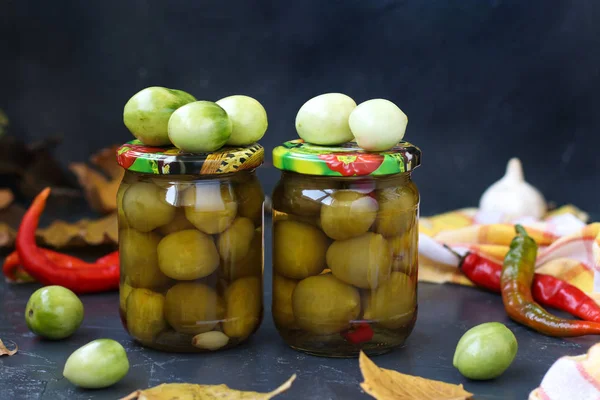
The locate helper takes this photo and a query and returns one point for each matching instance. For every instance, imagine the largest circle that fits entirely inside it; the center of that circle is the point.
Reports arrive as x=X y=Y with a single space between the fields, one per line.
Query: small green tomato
x=54 y=312
x=485 y=351
x=377 y=124
x=323 y=120
x=98 y=364
x=147 y=113
x=199 y=127
x=249 y=119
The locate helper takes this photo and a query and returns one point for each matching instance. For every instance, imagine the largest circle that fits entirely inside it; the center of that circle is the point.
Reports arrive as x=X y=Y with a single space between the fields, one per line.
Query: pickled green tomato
x=348 y=214
x=187 y=255
x=54 y=312
x=397 y=210
x=298 y=249
x=210 y=207
x=363 y=261
x=250 y=264
x=145 y=314
x=243 y=299
x=248 y=118
x=193 y=308
x=234 y=242
x=145 y=207
x=283 y=313
x=200 y=127
x=393 y=304
x=324 y=119
x=139 y=259
x=147 y=113
x=485 y=351
x=324 y=305
x=377 y=124
x=99 y=364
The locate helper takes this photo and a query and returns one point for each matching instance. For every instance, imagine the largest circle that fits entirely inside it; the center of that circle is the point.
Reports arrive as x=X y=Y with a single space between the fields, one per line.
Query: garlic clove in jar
x=513 y=196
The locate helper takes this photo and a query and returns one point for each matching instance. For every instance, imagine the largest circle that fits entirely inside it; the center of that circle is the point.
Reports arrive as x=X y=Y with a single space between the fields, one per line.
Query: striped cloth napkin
x=569 y=247
x=572 y=378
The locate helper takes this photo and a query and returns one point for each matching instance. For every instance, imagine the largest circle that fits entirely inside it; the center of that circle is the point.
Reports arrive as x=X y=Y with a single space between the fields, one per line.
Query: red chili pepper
x=516 y=282
x=547 y=290
x=352 y=164
x=12 y=262
x=359 y=334
x=35 y=262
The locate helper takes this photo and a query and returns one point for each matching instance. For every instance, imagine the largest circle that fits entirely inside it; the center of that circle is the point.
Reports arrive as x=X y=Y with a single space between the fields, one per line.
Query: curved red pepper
x=12 y=262
x=352 y=164
x=547 y=290
x=35 y=262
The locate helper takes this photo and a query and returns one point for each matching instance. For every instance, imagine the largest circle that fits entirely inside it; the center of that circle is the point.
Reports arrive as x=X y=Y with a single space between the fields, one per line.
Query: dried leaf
x=3 y=123
x=189 y=391
x=7 y=235
x=61 y=234
x=6 y=352
x=6 y=198
x=100 y=191
x=384 y=384
x=106 y=160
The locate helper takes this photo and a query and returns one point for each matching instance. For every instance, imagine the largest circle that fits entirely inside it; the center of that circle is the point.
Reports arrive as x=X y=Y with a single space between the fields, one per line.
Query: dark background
x=480 y=80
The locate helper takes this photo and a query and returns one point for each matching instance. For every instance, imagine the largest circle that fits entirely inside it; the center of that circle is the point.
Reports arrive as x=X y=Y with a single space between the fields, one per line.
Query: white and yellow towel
x=569 y=248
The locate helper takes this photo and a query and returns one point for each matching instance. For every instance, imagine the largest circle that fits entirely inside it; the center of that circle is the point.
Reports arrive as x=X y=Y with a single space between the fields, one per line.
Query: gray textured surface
x=445 y=313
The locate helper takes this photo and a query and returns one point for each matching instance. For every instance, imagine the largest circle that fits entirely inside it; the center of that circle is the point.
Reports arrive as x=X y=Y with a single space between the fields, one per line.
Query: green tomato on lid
x=147 y=113
x=323 y=120
x=200 y=127
x=248 y=117
x=377 y=124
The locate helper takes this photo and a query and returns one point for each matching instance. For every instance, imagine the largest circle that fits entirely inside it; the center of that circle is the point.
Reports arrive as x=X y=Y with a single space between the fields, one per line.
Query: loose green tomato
x=485 y=351
x=199 y=127
x=54 y=312
x=248 y=117
x=324 y=119
x=378 y=124
x=98 y=364
x=147 y=113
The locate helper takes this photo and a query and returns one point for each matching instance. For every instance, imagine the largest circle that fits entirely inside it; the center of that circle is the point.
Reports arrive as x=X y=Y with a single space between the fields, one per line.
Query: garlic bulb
x=512 y=196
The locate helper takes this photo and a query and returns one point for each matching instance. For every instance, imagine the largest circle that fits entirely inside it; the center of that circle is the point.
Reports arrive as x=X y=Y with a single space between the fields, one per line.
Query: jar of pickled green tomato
x=191 y=246
x=345 y=257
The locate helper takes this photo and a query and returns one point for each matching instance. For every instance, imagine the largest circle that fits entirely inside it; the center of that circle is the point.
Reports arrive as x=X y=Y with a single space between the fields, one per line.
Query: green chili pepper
x=516 y=282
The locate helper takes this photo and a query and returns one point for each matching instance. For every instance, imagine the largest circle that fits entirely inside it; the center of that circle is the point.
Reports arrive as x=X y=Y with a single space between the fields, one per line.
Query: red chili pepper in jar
x=547 y=290
x=83 y=279
x=353 y=164
x=359 y=334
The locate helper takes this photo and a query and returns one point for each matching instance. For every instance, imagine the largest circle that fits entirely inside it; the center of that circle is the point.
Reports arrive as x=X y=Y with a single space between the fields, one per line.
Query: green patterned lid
x=135 y=156
x=347 y=159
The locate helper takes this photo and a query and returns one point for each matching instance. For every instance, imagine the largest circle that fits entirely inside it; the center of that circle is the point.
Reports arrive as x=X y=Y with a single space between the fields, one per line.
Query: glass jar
x=345 y=248
x=191 y=246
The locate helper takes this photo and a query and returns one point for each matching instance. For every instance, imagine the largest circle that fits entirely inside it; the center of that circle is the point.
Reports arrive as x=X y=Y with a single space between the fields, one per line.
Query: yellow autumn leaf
x=60 y=234
x=189 y=391
x=4 y=351
x=100 y=189
x=6 y=198
x=85 y=232
x=385 y=384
